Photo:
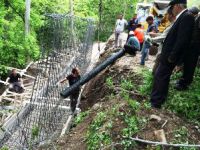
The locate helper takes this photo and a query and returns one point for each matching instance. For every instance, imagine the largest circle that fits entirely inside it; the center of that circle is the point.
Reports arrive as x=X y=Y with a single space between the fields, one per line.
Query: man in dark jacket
x=132 y=24
x=15 y=82
x=191 y=57
x=174 y=48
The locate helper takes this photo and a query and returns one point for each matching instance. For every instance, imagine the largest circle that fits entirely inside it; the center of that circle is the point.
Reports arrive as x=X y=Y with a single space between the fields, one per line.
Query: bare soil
x=96 y=98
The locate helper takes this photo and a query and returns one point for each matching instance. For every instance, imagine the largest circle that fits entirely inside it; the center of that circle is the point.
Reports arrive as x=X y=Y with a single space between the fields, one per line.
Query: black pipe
x=67 y=92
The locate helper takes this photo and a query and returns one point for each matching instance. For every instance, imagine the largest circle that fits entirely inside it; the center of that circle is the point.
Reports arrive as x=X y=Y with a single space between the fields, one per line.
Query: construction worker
x=72 y=79
x=15 y=82
x=151 y=29
x=133 y=41
x=139 y=33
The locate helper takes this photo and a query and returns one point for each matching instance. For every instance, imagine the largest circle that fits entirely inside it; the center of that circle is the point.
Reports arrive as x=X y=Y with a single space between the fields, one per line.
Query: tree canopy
x=16 y=49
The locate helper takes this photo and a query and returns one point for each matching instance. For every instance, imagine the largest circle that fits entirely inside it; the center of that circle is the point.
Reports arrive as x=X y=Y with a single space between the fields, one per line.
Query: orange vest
x=139 y=33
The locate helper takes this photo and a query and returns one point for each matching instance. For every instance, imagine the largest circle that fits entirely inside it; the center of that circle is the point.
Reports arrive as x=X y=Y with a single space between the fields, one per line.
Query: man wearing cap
x=191 y=57
x=174 y=48
x=133 y=41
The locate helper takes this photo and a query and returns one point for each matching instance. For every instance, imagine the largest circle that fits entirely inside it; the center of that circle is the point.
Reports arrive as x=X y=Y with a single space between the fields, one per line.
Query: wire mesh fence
x=66 y=42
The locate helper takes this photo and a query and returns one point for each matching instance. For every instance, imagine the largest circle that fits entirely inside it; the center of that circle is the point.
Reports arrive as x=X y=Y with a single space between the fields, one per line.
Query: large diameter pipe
x=67 y=92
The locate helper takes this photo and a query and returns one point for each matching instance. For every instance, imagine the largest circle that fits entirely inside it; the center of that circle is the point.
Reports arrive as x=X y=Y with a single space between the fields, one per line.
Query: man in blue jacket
x=174 y=49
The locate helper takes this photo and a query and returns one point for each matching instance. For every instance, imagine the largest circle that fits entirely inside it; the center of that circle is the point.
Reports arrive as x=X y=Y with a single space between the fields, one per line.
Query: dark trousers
x=190 y=63
x=161 y=84
x=141 y=45
x=73 y=101
x=156 y=64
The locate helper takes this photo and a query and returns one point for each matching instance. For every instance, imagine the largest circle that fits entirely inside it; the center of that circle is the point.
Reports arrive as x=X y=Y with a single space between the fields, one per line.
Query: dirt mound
x=115 y=94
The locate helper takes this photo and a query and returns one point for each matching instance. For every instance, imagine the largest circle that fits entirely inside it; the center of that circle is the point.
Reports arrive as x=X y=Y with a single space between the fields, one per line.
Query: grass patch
x=185 y=103
x=99 y=133
x=146 y=87
x=81 y=117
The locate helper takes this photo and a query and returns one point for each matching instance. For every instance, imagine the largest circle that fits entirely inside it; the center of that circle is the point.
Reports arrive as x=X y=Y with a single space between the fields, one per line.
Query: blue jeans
x=145 y=50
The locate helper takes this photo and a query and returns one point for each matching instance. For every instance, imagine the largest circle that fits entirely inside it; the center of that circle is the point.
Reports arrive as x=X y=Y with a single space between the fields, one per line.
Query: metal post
x=27 y=17
x=71 y=5
x=99 y=26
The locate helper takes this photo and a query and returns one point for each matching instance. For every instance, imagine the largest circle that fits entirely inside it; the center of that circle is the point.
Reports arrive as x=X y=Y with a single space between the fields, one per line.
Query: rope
x=163 y=144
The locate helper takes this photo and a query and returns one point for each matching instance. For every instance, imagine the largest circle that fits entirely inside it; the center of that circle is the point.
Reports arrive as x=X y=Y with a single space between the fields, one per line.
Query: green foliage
x=81 y=117
x=4 y=148
x=194 y=3
x=109 y=82
x=3 y=71
x=95 y=137
x=127 y=84
x=146 y=87
x=131 y=129
x=35 y=132
x=135 y=105
x=158 y=147
x=16 y=49
x=185 y=103
x=110 y=10
x=147 y=105
x=181 y=134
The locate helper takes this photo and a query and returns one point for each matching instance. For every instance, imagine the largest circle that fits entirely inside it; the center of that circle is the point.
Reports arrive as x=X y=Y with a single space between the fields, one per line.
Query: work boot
x=181 y=85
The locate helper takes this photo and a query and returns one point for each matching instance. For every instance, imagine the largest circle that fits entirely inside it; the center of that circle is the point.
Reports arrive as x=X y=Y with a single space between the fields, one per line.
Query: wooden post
x=27 y=17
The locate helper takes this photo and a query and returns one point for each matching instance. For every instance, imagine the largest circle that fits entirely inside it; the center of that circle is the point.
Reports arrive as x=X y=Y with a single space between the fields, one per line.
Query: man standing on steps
x=15 y=82
x=174 y=47
x=119 y=29
x=73 y=78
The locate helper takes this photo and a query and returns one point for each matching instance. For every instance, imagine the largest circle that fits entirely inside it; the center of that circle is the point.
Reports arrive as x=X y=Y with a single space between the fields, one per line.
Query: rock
x=96 y=106
x=155 y=118
x=61 y=142
x=160 y=136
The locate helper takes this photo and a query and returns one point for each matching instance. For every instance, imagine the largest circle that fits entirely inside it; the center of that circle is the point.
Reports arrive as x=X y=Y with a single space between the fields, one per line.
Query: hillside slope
x=115 y=107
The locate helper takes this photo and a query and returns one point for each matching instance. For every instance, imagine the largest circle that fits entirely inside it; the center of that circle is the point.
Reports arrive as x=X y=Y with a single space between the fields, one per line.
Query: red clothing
x=139 y=33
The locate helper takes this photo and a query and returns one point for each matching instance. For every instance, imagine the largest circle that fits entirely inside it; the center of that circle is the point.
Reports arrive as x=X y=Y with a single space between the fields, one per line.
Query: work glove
x=148 y=38
x=155 y=44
